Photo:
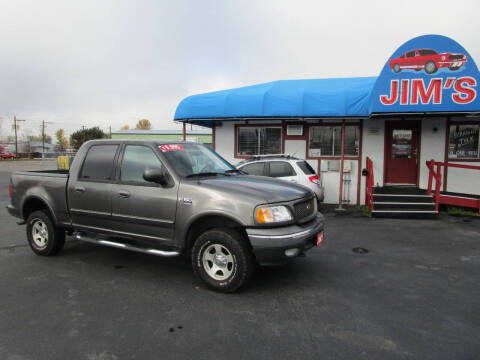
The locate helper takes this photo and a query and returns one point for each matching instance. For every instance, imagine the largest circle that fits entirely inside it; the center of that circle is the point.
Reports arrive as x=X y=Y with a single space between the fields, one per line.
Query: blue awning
x=340 y=97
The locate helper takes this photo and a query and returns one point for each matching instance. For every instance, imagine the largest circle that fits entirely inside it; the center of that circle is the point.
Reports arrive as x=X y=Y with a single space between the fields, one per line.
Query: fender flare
x=44 y=202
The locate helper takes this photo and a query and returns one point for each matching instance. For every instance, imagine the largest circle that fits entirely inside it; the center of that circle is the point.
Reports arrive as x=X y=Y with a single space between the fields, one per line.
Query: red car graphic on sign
x=429 y=60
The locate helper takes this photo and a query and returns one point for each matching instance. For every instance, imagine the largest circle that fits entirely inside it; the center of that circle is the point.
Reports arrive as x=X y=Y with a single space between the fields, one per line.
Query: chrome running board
x=81 y=237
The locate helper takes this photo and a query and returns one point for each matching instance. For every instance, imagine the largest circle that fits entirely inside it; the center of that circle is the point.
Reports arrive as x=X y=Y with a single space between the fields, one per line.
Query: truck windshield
x=193 y=159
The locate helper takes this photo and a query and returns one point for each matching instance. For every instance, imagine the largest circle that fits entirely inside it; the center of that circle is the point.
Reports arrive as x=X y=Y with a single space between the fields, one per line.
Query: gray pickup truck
x=168 y=199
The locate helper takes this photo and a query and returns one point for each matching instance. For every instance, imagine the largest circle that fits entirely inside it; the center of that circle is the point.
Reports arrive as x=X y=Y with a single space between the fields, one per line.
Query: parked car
x=286 y=168
x=168 y=199
x=429 y=60
x=7 y=156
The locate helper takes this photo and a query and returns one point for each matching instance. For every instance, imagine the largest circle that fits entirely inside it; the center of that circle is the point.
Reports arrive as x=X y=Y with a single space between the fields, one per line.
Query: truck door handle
x=124 y=194
x=80 y=189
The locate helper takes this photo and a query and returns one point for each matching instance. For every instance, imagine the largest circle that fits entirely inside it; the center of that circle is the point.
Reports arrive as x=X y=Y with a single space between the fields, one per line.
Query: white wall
x=225 y=141
x=331 y=182
x=432 y=145
x=372 y=146
x=296 y=148
x=463 y=180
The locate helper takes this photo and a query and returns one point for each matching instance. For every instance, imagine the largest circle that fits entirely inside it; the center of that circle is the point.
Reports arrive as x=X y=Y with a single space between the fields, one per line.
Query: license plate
x=319 y=239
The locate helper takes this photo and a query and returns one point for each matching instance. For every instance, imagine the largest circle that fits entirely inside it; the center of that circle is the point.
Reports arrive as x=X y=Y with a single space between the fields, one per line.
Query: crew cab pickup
x=168 y=199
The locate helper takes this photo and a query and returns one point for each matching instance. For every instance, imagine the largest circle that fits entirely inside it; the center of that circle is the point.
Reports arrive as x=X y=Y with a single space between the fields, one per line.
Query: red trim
x=213 y=137
x=342 y=151
x=445 y=155
x=359 y=163
x=369 y=183
x=236 y=156
x=448 y=199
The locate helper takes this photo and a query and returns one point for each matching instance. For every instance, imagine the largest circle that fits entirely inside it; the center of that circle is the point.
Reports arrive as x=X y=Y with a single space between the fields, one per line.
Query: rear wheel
x=222 y=259
x=430 y=67
x=43 y=237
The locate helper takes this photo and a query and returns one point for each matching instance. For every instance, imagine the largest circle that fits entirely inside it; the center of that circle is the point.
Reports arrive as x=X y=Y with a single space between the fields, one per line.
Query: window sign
x=464 y=142
x=401 y=144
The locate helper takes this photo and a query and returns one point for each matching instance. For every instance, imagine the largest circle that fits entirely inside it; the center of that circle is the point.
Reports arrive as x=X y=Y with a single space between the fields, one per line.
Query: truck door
x=143 y=209
x=89 y=192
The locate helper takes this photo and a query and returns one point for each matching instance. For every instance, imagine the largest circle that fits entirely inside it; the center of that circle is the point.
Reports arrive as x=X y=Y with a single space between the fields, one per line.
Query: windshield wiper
x=235 y=171
x=203 y=174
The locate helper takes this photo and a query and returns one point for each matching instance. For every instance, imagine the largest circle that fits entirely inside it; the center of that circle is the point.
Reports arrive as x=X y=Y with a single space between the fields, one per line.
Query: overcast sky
x=102 y=62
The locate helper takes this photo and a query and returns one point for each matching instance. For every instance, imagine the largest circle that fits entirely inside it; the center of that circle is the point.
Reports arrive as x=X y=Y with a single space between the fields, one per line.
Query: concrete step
x=405 y=214
x=402 y=198
x=382 y=205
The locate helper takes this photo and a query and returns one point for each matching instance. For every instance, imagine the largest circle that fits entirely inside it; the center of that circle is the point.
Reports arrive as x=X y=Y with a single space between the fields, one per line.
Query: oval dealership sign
x=430 y=73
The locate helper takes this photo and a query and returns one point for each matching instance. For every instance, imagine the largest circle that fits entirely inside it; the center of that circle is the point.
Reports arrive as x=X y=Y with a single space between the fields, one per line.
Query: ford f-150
x=168 y=199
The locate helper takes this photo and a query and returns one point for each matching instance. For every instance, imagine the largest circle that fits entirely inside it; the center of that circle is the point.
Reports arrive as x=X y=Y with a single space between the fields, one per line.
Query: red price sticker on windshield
x=170 y=147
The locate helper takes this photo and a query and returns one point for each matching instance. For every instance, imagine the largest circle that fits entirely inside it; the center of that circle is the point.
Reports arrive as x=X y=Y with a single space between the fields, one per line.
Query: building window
x=463 y=141
x=327 y=141
x=259 y=140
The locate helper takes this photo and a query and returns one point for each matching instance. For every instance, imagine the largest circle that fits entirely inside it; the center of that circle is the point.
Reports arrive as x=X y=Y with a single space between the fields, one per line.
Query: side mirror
x=156 y=175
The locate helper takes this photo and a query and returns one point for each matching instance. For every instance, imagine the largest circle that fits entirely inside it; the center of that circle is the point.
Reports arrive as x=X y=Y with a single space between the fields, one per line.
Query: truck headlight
x=272 y=214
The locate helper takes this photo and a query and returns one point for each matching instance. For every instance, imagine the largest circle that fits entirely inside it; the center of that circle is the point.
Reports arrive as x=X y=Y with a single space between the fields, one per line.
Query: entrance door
x=402 y=145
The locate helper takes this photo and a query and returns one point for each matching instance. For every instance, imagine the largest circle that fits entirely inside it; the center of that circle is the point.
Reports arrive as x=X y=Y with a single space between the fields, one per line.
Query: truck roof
x=136 y=141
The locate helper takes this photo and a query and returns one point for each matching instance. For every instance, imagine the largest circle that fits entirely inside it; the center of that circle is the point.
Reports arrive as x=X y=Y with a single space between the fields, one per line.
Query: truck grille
x=304 y=209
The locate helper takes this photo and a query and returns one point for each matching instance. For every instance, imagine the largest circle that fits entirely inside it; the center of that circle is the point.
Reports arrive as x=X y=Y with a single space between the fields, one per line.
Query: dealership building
x=369 y=138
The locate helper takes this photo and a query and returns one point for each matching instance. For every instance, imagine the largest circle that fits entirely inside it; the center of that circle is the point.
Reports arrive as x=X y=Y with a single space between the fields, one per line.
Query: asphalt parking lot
x=414 y=295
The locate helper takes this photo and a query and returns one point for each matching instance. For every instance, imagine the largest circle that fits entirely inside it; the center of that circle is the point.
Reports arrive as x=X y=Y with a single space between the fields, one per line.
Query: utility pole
x=15 y=120
x=110 y=130
x=43 y=137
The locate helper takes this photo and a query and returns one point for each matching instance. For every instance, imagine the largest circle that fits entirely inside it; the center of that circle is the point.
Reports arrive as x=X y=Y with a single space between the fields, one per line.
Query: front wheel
x=43 y=237
x=222 y=259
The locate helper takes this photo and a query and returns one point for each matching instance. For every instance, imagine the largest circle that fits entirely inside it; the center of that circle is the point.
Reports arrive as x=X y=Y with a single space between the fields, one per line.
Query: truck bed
x=50 y=186
x=54 y=173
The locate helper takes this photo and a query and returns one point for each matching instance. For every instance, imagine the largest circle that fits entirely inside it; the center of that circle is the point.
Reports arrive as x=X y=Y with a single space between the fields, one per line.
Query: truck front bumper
x=278 y=245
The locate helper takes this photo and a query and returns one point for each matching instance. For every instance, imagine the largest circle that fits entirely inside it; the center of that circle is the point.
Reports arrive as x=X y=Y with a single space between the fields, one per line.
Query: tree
x=80 y=136
x=62 y=142
x=143 y=124
x=39 y=138
x=125 y=127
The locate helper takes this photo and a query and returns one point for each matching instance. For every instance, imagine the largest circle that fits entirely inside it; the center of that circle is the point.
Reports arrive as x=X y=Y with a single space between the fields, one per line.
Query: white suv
x=286 y=168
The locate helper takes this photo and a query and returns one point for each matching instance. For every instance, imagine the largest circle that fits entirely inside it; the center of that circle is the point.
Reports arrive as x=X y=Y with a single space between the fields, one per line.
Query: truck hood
x=259 y=188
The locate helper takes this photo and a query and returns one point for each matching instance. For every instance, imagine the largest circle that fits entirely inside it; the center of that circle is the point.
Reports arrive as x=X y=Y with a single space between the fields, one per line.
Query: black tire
x=430 y=67
x=55 y=237
x=242 y=265
x=397 y=68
